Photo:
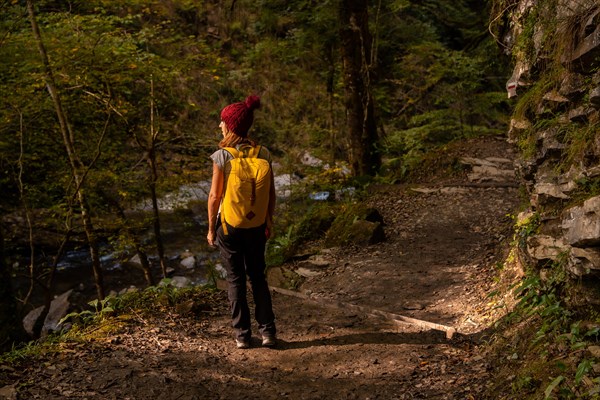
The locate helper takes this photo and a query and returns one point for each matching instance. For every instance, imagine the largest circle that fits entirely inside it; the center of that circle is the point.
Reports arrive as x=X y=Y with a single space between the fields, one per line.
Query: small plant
x=557 y=331
x=524 y=384
x=28 y=350
x=102 y=309
x=526 y=227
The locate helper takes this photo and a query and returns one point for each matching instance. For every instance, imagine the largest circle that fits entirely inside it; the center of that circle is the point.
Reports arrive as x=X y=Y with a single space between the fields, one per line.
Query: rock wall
x=555 y=45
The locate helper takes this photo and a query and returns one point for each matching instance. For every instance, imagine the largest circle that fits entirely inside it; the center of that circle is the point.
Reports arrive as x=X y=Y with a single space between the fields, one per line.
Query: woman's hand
x=269 y=227
x=214 y=199
x=210 y=237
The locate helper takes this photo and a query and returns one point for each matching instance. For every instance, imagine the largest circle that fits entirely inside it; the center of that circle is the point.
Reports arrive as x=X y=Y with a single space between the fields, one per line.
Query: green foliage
x=556 y=329
x=312 y=226
x=106 y=53
x=524 y=384
x=27 y=351
x=102 y=309
x=103 y=64
x=444 y=98
x=526 y=227
x=280 y=248
x=162 y=297
x=589 y=186
x=342 y=230
x=557 y=381
x=110 y=314
x=579 y=141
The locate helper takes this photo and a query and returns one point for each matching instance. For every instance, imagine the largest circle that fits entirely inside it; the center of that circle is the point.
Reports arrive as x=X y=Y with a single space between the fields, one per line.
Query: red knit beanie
x=239 y=116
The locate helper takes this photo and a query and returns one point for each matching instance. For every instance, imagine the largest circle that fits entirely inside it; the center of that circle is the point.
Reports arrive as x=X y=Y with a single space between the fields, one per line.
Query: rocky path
x=447 y=235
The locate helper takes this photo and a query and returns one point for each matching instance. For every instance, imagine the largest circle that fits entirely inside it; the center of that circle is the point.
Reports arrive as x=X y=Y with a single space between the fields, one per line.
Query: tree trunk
x=11 y=326
x=154 y=178
x=330 y=91
x=356 y=66
x=155 y=214
x=136 y=243
x=76 y=165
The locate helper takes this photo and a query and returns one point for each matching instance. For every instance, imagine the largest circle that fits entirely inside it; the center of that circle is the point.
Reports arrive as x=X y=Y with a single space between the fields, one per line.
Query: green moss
x=579 y=140
x=309 y=223
x=344 y=228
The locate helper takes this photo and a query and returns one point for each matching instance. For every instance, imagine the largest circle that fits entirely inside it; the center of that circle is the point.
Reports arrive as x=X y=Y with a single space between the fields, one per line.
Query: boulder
x=545 y=193
x=491 y=169
x=592 y=172
x=357 y=224
x=307 y=272
x=130 y=289
x=9 y=392
x=284 y=183
x=221 y=271
x=579 y=114
x=572 y=86
x=188 y=262
x=363 y=233
x=313 y=266
x=31 y=319
x=59 y=307
x=552 y=103
x=283 y=277
x=185 y=254
x=310 y=160
x=177 y=281
x=581 y=225
x=546 y=248
x=595 y=97
x=135 y=260
x=517 y=126
x=526 y=169
x=587 y=51
x=550 y=145
x=553 y=98
x=584 y=261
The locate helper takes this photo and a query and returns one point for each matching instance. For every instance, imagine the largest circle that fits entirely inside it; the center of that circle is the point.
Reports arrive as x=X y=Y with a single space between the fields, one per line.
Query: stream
x=183 y=230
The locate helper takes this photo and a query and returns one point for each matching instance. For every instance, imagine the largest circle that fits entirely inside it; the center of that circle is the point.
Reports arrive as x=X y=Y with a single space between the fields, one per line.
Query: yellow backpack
x=246 y=198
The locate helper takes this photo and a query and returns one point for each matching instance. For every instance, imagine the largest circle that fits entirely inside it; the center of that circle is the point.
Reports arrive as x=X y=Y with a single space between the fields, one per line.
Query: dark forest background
x=105 y=103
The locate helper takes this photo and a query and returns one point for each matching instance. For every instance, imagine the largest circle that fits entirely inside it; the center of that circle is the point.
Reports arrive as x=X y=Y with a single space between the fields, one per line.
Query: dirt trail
x=446 y=236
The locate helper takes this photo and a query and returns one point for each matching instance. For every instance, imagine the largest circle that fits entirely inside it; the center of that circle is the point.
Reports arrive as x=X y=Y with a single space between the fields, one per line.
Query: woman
x=242 y=249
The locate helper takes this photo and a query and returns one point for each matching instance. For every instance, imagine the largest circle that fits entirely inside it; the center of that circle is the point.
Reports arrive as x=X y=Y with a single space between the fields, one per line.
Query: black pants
x=243 y=252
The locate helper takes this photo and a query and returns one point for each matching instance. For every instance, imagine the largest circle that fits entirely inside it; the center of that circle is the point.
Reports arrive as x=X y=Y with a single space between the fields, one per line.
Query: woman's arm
x=214 y=200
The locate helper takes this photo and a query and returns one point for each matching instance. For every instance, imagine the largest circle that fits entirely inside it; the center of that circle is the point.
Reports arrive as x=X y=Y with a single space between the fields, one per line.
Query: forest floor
x=448 y=236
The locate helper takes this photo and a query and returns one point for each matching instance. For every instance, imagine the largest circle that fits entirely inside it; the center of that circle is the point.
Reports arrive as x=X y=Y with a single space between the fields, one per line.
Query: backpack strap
x=245 y=151
x=235 y=154
x=233 y=151
x=254 y=151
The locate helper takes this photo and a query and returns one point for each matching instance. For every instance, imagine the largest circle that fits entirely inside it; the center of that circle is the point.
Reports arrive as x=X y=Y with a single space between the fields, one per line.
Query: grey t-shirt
x=221 y=156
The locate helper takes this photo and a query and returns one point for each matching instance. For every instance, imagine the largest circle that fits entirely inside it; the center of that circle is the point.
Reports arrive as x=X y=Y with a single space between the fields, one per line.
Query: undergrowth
x=545 y=347
x=108 y=316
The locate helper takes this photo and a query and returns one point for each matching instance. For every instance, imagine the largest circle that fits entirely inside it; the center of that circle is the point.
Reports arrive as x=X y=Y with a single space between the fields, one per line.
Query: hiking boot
x=269 y=341
x=242 y=343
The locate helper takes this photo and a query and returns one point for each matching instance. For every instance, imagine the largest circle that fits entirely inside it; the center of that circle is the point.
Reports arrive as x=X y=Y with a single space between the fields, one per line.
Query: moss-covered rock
x=356 y=224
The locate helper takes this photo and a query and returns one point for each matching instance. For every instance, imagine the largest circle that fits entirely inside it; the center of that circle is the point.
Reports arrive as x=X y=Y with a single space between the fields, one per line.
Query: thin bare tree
x=149 y=146
x=77 y=167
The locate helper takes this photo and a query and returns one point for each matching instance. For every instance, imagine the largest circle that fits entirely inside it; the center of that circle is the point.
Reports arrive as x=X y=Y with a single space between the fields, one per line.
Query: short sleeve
x=220 y=157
